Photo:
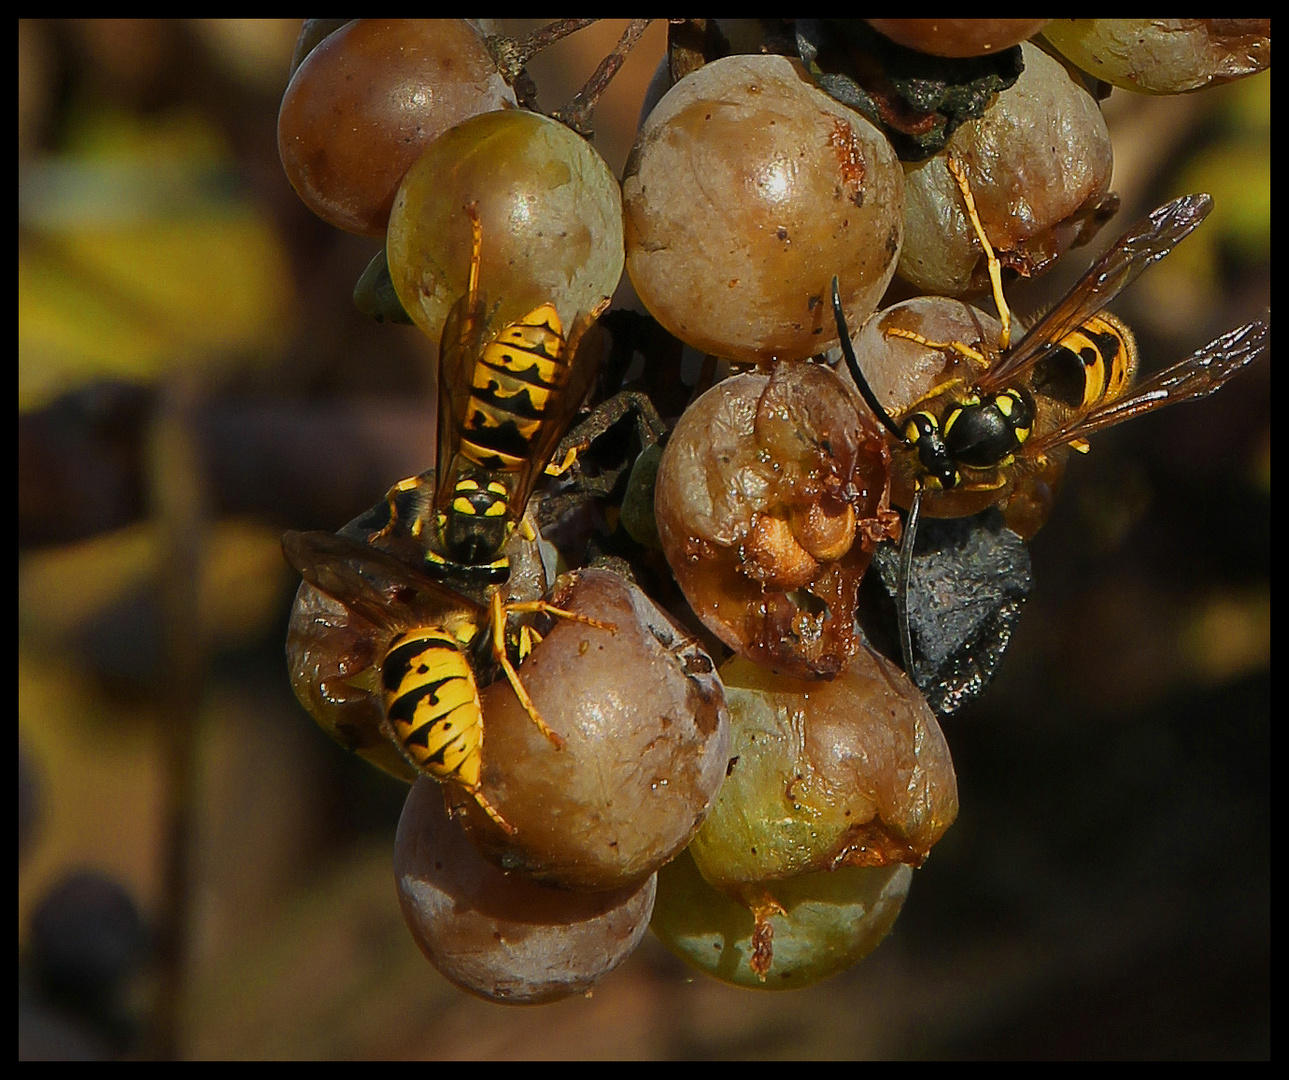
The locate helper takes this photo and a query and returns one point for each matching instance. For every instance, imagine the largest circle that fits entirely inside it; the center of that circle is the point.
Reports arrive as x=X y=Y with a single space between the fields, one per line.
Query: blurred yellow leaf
x=63 y=589
x=137 y=256
x=99 y=776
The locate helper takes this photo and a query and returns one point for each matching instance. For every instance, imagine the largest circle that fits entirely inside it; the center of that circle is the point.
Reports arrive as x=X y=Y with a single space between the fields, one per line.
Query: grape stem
x=688 y=46
x=577 y=113
x=511 y=54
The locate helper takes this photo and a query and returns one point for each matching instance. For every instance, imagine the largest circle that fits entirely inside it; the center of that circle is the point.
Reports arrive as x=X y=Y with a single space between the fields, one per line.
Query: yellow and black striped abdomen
x=1097 y=362
x=432 y=703
x=515 y=379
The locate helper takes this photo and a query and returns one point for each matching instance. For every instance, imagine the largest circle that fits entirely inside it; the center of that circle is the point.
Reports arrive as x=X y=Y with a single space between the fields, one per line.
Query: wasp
x=506 y=398
x=1071 y=374
x=431 y=643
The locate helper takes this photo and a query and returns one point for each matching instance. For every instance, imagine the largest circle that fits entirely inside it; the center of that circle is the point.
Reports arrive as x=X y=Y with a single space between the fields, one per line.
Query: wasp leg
x=391 y=497
x=529 y=639
x=995 y=268
x=490 y=810
x=569 y=458
x=902 y=585
x=500 y=611
x=959 y=347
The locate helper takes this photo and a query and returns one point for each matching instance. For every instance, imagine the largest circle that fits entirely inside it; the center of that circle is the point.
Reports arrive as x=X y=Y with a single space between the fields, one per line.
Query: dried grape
x=1039 y=163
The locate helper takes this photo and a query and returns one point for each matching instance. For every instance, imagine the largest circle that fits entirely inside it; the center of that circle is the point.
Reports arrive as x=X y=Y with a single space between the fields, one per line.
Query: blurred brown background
x=193 y=380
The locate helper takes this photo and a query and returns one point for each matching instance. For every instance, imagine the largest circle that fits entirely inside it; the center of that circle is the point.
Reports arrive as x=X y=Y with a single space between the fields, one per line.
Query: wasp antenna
x=905 y=578
x=865 y=391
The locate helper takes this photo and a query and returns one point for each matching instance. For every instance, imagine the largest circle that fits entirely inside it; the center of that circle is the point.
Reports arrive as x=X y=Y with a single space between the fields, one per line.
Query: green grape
x=551 y=217
x=1164 y=56
x=853 y=771
x=831 y=920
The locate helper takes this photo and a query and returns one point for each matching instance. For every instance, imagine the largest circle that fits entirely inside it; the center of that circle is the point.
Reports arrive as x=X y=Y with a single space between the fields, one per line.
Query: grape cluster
x=763 y=796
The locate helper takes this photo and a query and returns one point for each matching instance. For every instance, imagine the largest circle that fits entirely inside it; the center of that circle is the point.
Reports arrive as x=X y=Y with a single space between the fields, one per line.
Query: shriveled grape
x=551 y=216
x=646 y=734
x=747 y=189
x=368 y=99
x=500 y=935
x=769 y=499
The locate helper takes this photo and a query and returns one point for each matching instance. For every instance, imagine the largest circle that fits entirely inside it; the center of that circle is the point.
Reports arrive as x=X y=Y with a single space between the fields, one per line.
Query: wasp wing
x=372 y=583
x=1141 y=246
x=1200 y=374
x=585 y=350
x=459 y=348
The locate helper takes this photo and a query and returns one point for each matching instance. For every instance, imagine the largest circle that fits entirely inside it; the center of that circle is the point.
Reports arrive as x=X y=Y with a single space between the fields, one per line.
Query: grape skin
x=854 y=771
x=646 y=744
x=1039 y=162
x=367 y=100
x=774 y=450
x=958 y=37
x=501 y=935
x=1164 y=56
x=746 y=191
x=551 y=215
x=832 y=920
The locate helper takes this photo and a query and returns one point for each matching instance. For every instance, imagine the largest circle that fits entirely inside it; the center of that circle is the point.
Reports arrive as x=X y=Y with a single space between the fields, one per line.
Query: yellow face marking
x=912 y=433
